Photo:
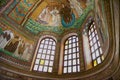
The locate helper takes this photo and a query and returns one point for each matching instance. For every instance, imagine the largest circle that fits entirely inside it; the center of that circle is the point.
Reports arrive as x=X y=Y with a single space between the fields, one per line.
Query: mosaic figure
x=55 y=17
x=5 y=38
x=12 y=46
x=67 y=15
x=21 y=48
x=76 y=5
x=44 y=16
x=27 y=52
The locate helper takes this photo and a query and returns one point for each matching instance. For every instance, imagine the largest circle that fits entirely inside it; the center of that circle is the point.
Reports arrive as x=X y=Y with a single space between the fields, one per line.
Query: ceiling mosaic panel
x=47 y=15
x=20 y=10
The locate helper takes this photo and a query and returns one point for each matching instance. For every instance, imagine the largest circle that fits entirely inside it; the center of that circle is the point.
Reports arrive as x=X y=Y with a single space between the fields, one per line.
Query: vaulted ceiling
x=36 y=16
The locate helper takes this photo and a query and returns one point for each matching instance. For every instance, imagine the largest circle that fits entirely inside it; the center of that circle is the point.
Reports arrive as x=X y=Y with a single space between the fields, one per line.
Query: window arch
x=45 y=55
x=71 y=61
x=95 y=46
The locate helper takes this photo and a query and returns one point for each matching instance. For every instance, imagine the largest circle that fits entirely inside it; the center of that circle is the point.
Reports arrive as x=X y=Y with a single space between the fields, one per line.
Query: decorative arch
x=93 y=52
x=95 y=46
x=45 y=54
x=70 y=54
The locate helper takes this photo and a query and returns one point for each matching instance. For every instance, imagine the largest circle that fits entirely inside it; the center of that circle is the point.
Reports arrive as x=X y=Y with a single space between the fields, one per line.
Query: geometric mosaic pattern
x=21 y=9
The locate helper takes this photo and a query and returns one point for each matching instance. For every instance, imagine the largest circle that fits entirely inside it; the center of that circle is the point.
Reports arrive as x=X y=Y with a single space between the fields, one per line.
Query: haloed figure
x=66 y=13
x=55 y=17
x=44 y=16
x=77 y=6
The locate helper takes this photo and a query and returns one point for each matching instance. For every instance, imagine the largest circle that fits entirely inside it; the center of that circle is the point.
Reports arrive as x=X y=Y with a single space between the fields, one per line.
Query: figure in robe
x=44 y=16
x=28 y=51
x=66 y=13
x=5 y=38
x=55 y=17
x=76 y=5
x=21 y=48
x=25 y=52
x=12 y=46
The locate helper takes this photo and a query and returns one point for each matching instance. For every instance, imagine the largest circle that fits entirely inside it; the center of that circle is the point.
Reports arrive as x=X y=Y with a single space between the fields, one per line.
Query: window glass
x=39 y=55
x=99 y=60
x=45 y=56
x=50 y=69
x=71 y=55
x=93 y=56
x=96 y=50
x=65 y=69
x=40 y=68
x=35 y=67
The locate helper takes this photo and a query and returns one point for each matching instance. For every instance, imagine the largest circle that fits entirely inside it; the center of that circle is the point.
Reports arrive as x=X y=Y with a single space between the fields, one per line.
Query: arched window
x=45 y=55
x=95 y=47
x=71 y=62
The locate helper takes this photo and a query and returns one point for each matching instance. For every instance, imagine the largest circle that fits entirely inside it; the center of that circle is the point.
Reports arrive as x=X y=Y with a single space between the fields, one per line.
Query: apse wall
x=18 y=51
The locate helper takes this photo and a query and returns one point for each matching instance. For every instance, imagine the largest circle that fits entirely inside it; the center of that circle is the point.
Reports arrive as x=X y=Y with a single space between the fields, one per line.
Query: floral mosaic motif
x=21 y=9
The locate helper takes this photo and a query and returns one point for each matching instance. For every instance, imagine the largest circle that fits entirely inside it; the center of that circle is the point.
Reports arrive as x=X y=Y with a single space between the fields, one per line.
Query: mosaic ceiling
x=36 y=16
